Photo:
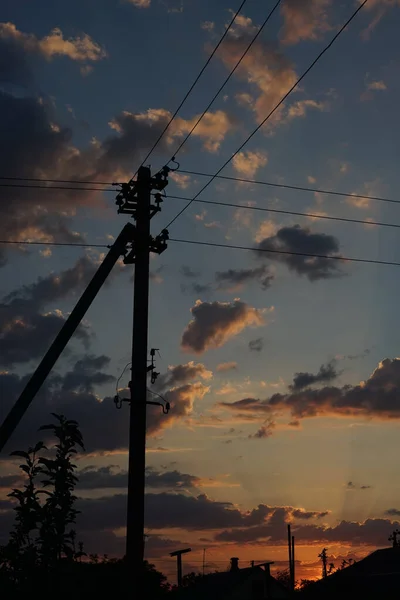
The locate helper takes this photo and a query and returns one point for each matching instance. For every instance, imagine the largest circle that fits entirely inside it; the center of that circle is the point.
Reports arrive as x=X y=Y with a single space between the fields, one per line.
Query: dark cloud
x=37 y=147
x=301 y=240
x=188 y=272
x=377 y=397
x=9 y=481
x=104 y=428
x=26 y=339
x=354 y=486
x=325 y=374
x=256 y=345
x=26 y=330
x=170 y=479
x=214 y=323
x=372 y=532
x=196 y=289
x=265 y=431
x=111 y=476
x=392 y=512
x=235 y=279
x=179 y=374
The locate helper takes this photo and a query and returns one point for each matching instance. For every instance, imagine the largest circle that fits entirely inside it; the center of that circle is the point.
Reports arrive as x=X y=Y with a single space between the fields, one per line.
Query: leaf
x=43 y=427
x=39 y=446
x=20 y=453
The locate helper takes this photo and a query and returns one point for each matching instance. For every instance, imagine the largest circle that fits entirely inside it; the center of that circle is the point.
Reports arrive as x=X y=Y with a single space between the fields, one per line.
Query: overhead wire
x=238 y=179
x=291 y=212
x=287 y=252
x=167 y=126
x=231 y=73
x=292 y=187
x=218 y=245
x=281 y=101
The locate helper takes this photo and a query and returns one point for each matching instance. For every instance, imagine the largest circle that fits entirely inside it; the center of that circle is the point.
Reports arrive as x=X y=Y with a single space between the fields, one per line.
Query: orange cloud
x=214 y=323
x=304 y=20
x=228 y=366
x=247 y=163
x=79 y=49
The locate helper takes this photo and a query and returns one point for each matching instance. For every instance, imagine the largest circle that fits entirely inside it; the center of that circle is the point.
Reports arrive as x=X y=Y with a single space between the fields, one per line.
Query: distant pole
x=204 y=560
x=290 y=553
x=178 y=554
x=293 y=566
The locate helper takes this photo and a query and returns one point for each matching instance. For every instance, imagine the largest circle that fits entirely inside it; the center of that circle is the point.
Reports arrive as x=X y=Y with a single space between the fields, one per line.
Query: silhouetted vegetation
x=44 y=553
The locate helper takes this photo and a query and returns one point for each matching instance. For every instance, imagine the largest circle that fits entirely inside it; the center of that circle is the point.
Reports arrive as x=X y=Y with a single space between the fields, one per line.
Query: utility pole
x=178 y=554
x=135 y=199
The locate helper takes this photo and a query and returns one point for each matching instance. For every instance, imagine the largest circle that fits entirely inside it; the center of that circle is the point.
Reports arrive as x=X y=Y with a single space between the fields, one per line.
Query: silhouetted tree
x=324 y=559
x=284 y=578
x=56 y=534
x=191 y=579
x=42 y=555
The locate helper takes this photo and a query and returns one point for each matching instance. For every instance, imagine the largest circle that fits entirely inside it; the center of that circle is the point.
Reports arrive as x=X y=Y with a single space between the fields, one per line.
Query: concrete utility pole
x=135 y=199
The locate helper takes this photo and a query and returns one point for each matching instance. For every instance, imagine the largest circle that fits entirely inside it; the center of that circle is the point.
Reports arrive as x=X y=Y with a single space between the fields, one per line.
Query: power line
x=216 y=245
x=39 y=179
x=197 y=173
x=167 y=126
x=287 y=252
x=260 y=125
x=290 y=212
x=32 y=243
x=54 y=187
x=227 y=79
x=292 y=187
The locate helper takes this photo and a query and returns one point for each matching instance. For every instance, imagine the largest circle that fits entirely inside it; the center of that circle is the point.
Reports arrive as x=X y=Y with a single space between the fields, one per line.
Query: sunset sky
x=281 y=370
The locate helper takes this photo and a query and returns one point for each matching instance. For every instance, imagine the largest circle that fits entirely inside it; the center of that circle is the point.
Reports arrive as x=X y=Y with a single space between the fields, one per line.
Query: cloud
x=378 y=397
x=267 y=229
x=180 y=511
x=26 y=330
x=301 y=240
x=269 y=73
x=325 y=374
x=112 y=477
x=264 y=432
x=179 y=374
x=372 y=532
x=256 y=345
x=208 y=25
x=304 y=20
x=182 y=181
x=20 y=45
x=140 y=3
x=392 y=512
x=38 y=147
x=353 y=486
x=105 y=429
x=189 y=272
x=247 y=163
x=378 y=8
x=212 y=129
x=228 y=366
x=214 y=323
x=377 y=85
x=234 y=279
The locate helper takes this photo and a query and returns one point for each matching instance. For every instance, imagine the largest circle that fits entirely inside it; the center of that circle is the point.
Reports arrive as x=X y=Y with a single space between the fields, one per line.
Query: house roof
x=377 y=573
x=218 y=585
